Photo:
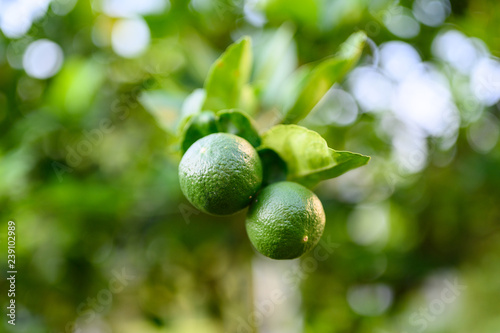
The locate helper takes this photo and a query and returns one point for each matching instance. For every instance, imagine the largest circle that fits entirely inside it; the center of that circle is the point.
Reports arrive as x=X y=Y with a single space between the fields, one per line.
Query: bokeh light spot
x=398 y=59
x=370 y=300
x=15 y=51
x=130 y=37
x=252 y=13
x=29 y=89
x=337 y=107
x=371 y=88
x=132 y=8
x=455 y=48
x=42 y=59
x=410 y=149
x=431 y=12
x=483 y=135
x=16 y=17
x=62 y=7
x=402 y=24
x=369 y=225
x=424 y=99
x=485 y=81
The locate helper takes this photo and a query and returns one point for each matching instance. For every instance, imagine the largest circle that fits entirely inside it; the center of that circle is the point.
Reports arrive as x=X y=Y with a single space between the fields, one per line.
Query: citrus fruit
x=220 y=173
x=285 y=220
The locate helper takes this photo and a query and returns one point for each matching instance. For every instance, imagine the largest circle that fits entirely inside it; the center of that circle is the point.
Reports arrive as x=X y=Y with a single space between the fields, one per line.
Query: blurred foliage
x=88 y=158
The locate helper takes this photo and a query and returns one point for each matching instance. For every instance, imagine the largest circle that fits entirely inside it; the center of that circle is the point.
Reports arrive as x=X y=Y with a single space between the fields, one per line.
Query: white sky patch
x=132 y=8
x=423 y=99
x=458 y=50
x=409 y=149
x=398 y=58
x=485 y=81
x=418 y=96
x=16 y=17
x=372 y=89
x=252 y=13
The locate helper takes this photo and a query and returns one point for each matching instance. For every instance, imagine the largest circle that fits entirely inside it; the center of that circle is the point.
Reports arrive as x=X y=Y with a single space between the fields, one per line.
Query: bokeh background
x=90 y=94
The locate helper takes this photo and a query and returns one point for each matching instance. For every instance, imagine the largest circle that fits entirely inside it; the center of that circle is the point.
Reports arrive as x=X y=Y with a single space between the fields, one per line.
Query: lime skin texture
x=285 y=220
x=220 y=174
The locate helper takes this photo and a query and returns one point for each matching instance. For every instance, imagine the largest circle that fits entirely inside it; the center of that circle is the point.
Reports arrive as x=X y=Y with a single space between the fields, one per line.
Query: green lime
x=285 y=220
x=220 y=173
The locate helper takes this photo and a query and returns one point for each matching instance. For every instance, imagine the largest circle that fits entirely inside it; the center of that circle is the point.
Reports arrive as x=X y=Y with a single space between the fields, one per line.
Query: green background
x=400 y=232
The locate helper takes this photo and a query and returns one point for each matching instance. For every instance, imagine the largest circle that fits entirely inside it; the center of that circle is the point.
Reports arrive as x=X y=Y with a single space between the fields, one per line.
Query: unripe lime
x=220 y=173
x=285 y=220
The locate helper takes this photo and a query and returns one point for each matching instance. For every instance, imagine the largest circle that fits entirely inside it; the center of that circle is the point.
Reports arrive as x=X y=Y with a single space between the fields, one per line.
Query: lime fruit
x=220 y=173
x=285 y=220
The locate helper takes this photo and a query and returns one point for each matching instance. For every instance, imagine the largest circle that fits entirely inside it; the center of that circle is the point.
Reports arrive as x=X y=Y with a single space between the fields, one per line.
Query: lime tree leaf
x=313 y=86
x=303 y=150
x=307 y=156
x=190 y=108
x=343 y=161
x=228 y=76
x=208 y=122
x=163 y=106
x=275 y=59
x=274 y=167
x=238 y=123
x=197 y=126
x=248 y=99
x=193 y=103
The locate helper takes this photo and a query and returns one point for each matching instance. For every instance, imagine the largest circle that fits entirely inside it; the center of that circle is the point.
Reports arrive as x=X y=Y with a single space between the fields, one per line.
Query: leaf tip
x=244 y=41
x=353 y=46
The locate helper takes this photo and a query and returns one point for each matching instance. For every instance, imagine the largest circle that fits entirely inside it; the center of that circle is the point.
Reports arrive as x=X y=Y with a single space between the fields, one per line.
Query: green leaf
x=275 y=169
x=163 y=106
x=193 y=103
x=228 y=76
x=275 y=59
x=198 y=126
x=343 y=161
x=238 y=123
x=302 y=149
x=307 y=156
x=323 y=75
x=207 y=122
x=248 y=99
